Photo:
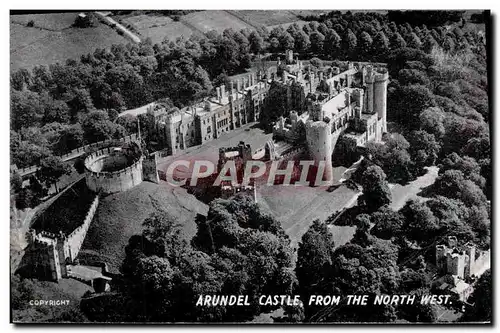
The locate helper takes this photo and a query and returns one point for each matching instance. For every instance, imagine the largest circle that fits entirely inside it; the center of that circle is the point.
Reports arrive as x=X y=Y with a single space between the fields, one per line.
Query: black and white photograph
x=234 y=166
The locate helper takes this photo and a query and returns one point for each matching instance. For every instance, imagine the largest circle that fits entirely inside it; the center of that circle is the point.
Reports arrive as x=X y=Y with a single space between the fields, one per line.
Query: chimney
x=320 y=76
x=232 y=87
x=218 y=93
x=238 y=85
x=223 y=91
x=289 y=54
x=279 y=61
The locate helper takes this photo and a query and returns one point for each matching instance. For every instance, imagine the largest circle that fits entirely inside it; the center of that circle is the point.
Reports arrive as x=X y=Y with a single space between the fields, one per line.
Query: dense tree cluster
x=237 y=250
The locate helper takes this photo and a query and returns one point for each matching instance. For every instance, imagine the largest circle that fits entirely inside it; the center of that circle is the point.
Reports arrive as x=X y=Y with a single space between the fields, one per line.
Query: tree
x=331 y=46
x=413 y=41
x=237 y=250
x=481 y=299
x=317 y=42
x=51 y=169
x=302 y=42
x=314 y=258
x=316 y=62
x=429 y=43
x=420 y=224
x=256 y=43
x=413 y=76
x=380 y=46
x=376 y=192
x=70 y=138
x=16 y=182
x=349 y=43
x=286 y=41
x=365 y=42
x=397 y=42
x=424 y=149
x=357 y=270
x=26 y=109
x=97 y=127
x=453 y=184
x=432 y=121
x=387 y=223
x=408 y=102
x=56 y=111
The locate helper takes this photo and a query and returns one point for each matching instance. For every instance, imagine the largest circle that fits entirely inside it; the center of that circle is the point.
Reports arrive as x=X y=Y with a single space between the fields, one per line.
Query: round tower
x=319 y=142
x=369 y=81
x=380 y=99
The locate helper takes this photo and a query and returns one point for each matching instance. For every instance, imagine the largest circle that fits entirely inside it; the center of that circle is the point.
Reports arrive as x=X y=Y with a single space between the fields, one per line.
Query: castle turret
x=470 y=250
x=320 y=143
x=380 y=98
x=289 y=56
x=369 y=80
x=171 y=131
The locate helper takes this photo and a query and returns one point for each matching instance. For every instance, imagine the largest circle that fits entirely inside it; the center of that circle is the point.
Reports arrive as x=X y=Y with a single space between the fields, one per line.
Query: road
x=401 y=194
x=127 y=32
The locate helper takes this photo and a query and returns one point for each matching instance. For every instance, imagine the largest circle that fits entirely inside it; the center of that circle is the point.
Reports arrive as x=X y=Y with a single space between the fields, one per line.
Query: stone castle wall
x=54 y=251
x=79 y=152
x=74 y=241
x=111 y=182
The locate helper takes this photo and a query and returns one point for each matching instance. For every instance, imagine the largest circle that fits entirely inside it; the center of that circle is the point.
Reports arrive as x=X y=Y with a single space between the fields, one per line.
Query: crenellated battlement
x=124 y=165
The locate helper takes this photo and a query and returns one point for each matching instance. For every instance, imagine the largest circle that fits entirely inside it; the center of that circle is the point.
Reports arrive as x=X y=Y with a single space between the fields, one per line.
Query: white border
x=190 y=4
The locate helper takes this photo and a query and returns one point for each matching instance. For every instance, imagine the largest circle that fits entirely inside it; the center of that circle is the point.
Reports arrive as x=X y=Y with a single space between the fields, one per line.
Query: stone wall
x=75 y=239
x=79 y=152
x=112 y=182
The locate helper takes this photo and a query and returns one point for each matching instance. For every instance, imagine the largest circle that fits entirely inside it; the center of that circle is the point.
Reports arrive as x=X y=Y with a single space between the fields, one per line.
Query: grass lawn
x=298 y=207
x=218 y=20
x=265 y=17
x=120 y=216
x=53 y=21
x=30 y=46
x=158 y=27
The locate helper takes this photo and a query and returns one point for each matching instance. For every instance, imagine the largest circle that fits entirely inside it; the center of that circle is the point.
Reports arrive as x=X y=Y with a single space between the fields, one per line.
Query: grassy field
x=218 y=20
x=157 y=27
x=52 y=39
x=265 y=17
x=298 y=207
x=120 y=216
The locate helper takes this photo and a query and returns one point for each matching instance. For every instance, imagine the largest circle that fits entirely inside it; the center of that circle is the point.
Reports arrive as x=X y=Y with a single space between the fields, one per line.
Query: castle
x=57 y=234
x=462 y=261
x=352 y=102
x=322 y=103
x=231 y=108
x=458 y=266
x=240 y=155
